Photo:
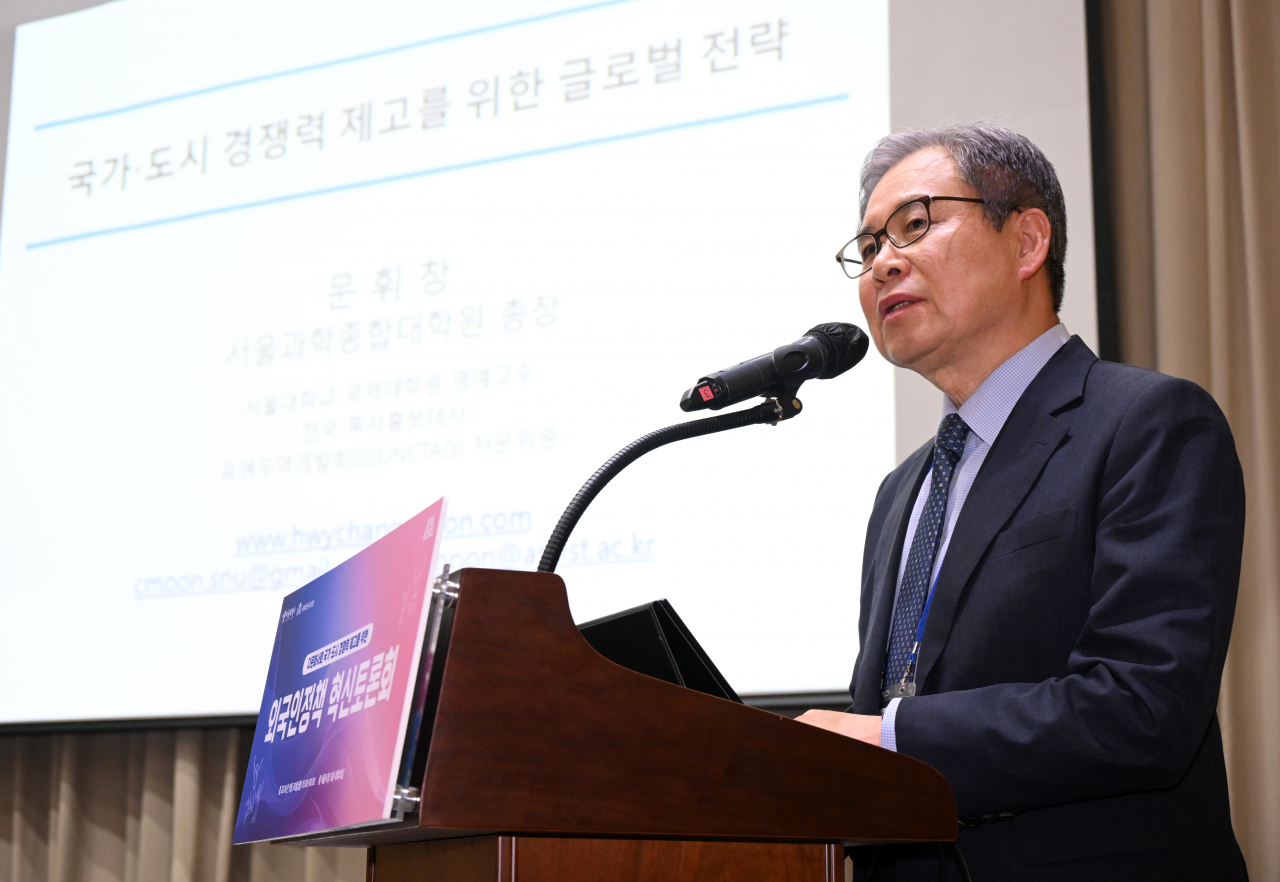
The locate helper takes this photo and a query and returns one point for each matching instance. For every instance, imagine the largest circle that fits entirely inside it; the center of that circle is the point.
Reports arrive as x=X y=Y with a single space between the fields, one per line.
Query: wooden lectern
x=546 y=761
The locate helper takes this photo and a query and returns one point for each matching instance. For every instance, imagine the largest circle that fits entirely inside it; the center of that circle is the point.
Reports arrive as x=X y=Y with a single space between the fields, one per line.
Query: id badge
x=899 y=690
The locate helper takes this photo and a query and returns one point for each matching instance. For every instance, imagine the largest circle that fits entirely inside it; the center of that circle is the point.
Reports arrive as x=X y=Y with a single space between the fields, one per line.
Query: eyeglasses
x=906 y=225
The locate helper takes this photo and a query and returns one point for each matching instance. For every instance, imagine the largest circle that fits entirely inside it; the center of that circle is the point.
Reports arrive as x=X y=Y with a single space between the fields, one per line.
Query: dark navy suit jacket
x=1072 y=656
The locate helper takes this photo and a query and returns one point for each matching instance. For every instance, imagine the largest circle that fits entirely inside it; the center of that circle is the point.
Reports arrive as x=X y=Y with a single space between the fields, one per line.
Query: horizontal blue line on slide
x=334 y=63
x=474 y=163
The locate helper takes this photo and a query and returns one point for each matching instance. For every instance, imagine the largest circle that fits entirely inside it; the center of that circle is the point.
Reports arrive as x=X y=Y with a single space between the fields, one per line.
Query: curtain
x=150 y=806
x=1192 y=130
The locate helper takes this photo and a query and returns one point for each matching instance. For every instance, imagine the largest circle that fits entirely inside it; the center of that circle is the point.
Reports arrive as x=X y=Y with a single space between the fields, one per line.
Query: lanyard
x=909 y=674
x=924 y=617
x=907 y=687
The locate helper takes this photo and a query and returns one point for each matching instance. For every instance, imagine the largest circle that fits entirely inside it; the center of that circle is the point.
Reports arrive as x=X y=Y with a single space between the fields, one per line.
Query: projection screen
x=277 y=275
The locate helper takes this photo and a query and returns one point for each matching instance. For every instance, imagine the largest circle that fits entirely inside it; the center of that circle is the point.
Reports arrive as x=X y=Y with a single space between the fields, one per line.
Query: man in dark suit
x=1048 y=585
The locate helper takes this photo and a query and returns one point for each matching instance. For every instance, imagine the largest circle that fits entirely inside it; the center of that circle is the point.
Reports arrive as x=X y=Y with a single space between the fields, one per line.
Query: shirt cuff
x=888 y=733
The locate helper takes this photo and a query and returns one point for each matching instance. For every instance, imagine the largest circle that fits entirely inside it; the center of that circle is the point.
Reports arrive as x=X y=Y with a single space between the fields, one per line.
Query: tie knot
x=951 y=435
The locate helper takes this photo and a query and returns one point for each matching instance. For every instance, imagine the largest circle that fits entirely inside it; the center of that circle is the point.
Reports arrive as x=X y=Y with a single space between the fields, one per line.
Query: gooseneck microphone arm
x=769 y=412
x=825 y=351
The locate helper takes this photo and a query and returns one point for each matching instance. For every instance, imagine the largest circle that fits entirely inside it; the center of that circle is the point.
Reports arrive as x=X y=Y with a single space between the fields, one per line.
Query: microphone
x=825 y=351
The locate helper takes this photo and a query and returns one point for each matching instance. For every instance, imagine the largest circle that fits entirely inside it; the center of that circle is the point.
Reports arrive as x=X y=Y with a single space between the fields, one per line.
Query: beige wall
x=1022 y=65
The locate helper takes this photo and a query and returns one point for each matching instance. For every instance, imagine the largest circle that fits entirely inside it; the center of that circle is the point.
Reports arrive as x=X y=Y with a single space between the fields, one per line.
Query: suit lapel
x=884 y=580
x=1029 y=438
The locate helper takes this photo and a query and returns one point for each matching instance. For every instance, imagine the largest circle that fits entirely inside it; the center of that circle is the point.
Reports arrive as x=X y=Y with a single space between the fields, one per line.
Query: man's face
x=933 y=303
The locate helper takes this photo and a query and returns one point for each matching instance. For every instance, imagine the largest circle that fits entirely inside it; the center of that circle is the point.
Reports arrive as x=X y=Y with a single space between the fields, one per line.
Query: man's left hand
x=863 y=727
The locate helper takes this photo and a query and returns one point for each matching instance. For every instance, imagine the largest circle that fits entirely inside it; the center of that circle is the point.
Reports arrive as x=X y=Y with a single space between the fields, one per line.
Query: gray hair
x=1008 y=171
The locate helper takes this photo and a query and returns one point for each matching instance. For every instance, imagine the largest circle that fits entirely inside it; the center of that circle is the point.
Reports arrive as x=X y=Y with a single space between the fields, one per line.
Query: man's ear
x=1033 y=229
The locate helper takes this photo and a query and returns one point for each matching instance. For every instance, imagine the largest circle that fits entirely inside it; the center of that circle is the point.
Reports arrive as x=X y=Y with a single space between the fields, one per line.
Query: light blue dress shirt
x=985 y=413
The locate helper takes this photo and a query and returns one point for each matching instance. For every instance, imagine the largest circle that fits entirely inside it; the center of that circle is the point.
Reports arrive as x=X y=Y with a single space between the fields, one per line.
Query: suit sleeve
x=1142 y=679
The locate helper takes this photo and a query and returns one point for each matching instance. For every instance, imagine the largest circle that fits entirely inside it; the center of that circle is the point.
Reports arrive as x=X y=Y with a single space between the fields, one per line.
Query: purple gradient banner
x=327 y=748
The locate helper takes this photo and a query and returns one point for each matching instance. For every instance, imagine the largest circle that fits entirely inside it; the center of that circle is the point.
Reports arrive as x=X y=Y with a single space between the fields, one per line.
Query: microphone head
x=846 y=345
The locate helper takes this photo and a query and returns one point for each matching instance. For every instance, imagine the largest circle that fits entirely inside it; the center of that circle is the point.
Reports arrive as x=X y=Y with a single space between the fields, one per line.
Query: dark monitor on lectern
x=651 y=639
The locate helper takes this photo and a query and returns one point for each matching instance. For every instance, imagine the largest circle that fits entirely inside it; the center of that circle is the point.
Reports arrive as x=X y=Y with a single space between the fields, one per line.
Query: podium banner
x=330 y=734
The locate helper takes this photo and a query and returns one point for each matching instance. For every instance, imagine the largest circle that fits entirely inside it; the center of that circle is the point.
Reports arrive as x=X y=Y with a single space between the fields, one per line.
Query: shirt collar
x=987 y=409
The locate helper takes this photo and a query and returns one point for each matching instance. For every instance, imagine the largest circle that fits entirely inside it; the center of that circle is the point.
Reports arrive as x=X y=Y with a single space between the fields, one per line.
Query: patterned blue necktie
x=947 y=447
